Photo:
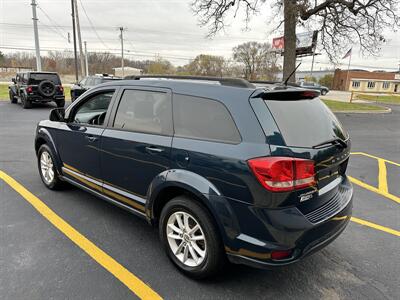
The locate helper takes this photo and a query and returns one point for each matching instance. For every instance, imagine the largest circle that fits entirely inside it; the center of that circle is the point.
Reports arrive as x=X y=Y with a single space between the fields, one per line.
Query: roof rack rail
x=227 y=81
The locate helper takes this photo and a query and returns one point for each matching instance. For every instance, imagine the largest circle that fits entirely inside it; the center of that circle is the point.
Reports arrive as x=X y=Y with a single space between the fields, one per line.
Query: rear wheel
x=47 y=168
x=191 y=238
x=324 y=92
x=13 y=99
x=25 y=102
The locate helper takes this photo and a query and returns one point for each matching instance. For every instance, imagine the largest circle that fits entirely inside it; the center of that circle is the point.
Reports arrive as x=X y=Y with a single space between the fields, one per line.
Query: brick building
x=366 y=81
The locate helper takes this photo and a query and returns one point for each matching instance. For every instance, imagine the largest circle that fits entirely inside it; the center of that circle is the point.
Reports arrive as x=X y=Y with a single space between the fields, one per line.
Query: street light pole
x=74 y=37
x=86 y=60
x=36 y=33
x=122 y=50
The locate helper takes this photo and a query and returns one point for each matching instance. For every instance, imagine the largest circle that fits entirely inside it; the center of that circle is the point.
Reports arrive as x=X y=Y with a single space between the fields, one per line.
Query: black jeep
x=37 y=87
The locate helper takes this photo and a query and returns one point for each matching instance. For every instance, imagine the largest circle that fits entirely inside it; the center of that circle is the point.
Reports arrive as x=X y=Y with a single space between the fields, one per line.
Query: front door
x=79 y=139
x=136 y=145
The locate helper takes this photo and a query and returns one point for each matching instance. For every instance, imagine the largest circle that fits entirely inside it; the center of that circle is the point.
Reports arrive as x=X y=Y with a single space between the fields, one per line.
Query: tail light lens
x=61 y=89
x=281 y=174
x=29 y=89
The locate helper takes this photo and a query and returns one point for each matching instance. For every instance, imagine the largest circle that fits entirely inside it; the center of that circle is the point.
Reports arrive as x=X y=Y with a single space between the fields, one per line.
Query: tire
x=26 y=104
x=213 y=257
x=324 y=92
x=60 y=103
x=45 y=158
x=13 y=99
x=47 y=88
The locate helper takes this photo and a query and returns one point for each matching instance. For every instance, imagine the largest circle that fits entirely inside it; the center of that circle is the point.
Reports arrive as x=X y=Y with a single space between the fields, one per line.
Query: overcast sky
x=154 y=27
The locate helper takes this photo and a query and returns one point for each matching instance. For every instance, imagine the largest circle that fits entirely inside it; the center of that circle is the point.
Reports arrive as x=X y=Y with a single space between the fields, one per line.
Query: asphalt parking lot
x=39 y=261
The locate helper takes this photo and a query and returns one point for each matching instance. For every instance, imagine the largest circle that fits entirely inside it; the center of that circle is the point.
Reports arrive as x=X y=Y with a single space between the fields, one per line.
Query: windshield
x=36 y=78
x=305 y=123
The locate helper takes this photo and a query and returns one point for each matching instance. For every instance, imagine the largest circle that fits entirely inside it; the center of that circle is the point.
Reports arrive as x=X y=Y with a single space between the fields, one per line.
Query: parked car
x=37 y=87
x=314 y=86
x=89 y=82
x=224 y=170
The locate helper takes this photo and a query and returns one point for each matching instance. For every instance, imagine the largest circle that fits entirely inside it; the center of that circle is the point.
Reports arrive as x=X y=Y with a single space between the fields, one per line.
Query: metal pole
x=74 y=37
x=348 y=70
x=36 y=33
x=86 y=60
x=312 y=64
x=122 y=50
x=78 y=30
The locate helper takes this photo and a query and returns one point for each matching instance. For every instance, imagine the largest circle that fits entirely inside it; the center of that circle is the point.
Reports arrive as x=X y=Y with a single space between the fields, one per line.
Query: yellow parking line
x=375 y=226
x=382 y=176
x=376 y=157
x=374 y=189
x=137 y=286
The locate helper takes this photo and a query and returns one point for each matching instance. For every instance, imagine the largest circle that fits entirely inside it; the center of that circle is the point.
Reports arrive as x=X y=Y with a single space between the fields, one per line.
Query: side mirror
x=13 y=80
x=57 y=115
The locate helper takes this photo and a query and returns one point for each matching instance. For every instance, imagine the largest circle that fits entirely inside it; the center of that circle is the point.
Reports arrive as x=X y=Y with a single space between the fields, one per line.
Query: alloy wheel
x=186 y=239
x=46 y=167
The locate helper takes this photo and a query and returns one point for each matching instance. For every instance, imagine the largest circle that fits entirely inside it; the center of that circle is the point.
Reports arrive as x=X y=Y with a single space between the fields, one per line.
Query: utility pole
x=74 y=37
x=121 y=29
x=36 y=33
x=86 y=60
x=78 y=30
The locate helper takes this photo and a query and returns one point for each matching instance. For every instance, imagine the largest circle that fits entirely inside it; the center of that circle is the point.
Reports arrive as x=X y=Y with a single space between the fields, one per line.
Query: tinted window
x=204 y=119
x=145 y=111
x=93 y=111
x=305 y=123
x=36 y=78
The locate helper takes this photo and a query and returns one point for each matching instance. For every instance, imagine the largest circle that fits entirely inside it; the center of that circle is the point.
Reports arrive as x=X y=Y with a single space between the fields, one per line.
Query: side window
x=90 y=81
x=145 y=111
x=204 y=119
x=93 y=111
x=83 y=81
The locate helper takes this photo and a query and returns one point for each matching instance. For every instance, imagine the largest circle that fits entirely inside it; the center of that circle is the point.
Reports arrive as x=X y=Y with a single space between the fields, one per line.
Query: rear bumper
x=40 y=99
x=284 y=229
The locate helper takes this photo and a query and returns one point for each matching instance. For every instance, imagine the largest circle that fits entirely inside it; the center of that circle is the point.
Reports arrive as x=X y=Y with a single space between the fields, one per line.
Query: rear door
x=304 y=127
x=136 y=144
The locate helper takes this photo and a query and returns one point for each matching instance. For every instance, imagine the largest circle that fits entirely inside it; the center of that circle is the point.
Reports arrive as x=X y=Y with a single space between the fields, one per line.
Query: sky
x=155 y=28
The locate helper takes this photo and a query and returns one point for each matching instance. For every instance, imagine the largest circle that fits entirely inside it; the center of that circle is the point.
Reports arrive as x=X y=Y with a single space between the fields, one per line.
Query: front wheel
x=13 y=99
x=324 y=92
x=191 y=238
x=47 y=168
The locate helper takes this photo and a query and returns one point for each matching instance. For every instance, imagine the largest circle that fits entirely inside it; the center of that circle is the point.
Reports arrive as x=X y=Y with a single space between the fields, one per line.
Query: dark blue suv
x=224 y=169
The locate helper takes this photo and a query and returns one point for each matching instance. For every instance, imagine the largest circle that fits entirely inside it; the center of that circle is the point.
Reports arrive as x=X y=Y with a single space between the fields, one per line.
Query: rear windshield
x=305 y=123
x=36 y=78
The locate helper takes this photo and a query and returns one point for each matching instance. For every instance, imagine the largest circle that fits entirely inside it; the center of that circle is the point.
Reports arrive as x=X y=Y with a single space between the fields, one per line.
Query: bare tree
x=206 y=65
x=340 y=22
x=257 y=58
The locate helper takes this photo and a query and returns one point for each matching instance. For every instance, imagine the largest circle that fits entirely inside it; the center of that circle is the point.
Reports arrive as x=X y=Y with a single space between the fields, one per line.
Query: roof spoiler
x=287 y=94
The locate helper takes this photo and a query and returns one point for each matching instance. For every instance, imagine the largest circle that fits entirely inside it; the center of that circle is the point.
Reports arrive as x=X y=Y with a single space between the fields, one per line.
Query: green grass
x=4 y=92
x=338 y=106
x=389 y=99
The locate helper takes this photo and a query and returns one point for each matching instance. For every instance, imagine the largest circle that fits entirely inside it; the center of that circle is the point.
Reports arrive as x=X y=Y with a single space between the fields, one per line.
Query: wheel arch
x=43 y=136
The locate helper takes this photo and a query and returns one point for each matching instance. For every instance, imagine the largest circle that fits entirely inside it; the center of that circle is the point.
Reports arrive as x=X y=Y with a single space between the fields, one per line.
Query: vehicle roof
x=187 y=87
x=40 y=72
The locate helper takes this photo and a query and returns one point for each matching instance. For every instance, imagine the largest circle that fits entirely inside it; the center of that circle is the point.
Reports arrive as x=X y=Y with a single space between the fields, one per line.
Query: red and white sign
x=278 y=43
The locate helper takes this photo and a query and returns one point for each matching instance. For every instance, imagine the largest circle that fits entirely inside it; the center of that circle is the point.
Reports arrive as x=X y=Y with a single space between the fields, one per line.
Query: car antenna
x=287 y=79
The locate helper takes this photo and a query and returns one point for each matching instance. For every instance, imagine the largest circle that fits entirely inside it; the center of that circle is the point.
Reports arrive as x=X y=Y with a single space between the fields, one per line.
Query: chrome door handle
x=154 y=149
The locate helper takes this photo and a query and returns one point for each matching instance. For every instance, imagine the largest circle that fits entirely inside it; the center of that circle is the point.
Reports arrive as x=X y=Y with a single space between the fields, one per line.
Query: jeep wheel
x=25 y=102
x=13 y=99
x=60 y=103
x=191 y=238
x=47 y=168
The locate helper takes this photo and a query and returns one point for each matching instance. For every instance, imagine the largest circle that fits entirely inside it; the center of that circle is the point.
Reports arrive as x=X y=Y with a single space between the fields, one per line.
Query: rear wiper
x=336 y=141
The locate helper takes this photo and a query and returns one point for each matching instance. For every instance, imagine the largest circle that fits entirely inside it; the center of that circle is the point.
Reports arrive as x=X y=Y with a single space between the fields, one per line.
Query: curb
x=385 y=111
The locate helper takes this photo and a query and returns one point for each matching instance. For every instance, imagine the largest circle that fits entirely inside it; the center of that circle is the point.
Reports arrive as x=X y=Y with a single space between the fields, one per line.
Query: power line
x=92 y=26
x=56 y=26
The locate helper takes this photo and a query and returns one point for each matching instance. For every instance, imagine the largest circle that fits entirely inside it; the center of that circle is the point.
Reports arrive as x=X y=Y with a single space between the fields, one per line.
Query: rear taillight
x=29 y=89
x=280 y=174
x=61 y=89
